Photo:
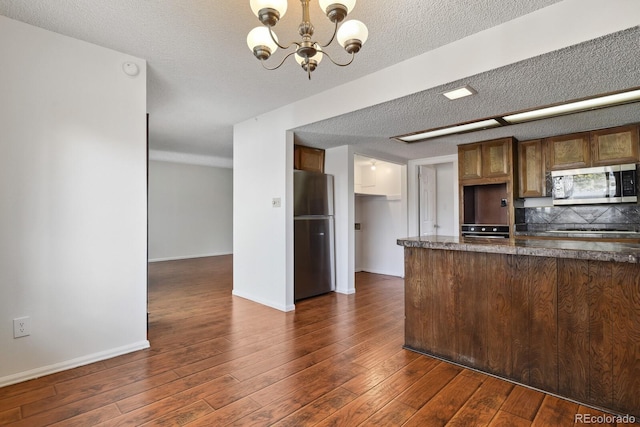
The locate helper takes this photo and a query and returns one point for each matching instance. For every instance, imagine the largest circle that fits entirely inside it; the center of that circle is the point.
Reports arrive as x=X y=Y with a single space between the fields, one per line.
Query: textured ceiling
x=599 y=66
x=202 y=78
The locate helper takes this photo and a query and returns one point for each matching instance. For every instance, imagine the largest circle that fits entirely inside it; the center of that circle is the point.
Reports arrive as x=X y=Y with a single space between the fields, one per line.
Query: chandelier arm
x=279 y=65
x=335 y=31
x=353 y=55
x=277 y=43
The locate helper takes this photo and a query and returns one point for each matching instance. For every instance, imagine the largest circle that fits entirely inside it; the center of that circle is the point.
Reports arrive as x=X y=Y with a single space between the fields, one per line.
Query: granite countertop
x=572 y=249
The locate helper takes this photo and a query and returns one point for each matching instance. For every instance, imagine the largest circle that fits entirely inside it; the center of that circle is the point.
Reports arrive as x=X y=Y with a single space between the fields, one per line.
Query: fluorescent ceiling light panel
x=620 y=98
x=575 y=107
x=461 y=92
x=483 y=124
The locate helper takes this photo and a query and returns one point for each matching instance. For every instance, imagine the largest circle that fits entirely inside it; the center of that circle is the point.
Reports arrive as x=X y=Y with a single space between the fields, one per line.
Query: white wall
x=73 y=215
x=263 y=248
x=190 y=210
x=262 y=234
x=339 y=163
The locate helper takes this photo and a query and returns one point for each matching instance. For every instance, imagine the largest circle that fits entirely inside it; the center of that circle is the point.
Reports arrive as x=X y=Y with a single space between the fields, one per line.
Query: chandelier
x=263 y=42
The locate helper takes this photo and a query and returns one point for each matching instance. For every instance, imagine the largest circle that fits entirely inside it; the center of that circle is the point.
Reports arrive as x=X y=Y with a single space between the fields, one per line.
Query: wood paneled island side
x=560 y=316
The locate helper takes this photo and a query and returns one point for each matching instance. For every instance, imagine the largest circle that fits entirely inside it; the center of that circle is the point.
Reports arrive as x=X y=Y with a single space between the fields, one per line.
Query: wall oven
x=604 y=184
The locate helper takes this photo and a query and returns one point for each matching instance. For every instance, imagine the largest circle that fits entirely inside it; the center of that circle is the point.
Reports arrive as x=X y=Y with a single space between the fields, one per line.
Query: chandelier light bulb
x=317 y=57
x=348 y=4
x=352 y=35
x=279 y=5
x=258 y=38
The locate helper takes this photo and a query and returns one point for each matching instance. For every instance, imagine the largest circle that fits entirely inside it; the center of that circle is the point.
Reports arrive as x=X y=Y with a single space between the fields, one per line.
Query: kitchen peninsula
x=562 y=316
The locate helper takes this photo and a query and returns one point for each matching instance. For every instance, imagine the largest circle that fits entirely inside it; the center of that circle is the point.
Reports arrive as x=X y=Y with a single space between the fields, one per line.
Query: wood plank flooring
x=221 y=360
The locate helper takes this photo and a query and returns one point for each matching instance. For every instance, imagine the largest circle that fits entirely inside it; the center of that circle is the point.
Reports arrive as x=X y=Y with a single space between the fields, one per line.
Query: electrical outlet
x=21 y=327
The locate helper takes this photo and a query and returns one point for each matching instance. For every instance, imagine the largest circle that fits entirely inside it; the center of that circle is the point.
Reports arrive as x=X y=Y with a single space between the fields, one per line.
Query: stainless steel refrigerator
x=313 y=234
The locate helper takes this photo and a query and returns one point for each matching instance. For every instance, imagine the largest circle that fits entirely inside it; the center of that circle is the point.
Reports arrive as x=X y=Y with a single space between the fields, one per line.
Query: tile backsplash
x=602 y=217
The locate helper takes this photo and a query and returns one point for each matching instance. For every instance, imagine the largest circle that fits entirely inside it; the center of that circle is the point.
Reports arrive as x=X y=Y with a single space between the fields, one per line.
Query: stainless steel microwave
x=604 y=184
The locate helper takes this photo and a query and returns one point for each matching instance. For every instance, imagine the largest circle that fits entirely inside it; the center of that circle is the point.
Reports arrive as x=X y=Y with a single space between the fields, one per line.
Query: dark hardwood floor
x=221 y=360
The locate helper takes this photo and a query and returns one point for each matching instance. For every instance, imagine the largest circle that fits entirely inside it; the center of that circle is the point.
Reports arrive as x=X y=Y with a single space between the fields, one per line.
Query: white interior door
x=428 y=199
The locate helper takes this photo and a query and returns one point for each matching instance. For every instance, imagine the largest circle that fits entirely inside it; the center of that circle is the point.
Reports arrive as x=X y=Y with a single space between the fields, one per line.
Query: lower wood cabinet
x=570 y=327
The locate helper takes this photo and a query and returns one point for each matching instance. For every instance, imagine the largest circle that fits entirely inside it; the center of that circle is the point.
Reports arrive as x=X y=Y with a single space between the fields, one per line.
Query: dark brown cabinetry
x=615 y=146
x=485 y=160
x=569 y=151
x=470 y=161
x=602 y=147
x=596 y=148
x=496 y=158
x=487 y=183
x=531 y=169
x=567 y=326
x=308 y=159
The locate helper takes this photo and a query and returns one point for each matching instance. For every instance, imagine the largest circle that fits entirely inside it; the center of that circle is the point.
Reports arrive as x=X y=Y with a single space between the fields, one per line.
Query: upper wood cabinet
x=596 y=148
x=496 y=158
x=602 y=147
x=569 y=151
x=470 y=161
x=486 y=161
x=615 y=146
x=308 y=159
x=531 y=169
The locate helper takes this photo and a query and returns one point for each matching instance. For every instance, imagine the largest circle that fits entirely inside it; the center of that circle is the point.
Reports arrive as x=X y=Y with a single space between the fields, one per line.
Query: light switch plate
x=276 y=203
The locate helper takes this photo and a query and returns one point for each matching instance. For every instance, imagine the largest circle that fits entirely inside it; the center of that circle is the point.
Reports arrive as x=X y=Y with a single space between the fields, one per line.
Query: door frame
x=413 y=190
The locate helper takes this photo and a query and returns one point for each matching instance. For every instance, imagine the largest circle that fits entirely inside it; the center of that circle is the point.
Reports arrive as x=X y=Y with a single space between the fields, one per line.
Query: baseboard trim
x=271 y=304
x=177 y=258
x=382 y=272
x=73 y=363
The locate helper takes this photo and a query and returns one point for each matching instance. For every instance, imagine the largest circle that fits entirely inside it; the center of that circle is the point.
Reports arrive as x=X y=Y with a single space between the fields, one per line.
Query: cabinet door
x=569 y=151
x=495 y=158
x=470 y=161
x=531 y=169
x=615 y=145
x=308 y=159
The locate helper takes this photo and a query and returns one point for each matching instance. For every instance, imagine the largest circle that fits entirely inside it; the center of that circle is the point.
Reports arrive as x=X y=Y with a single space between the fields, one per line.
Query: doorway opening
x=380 y=216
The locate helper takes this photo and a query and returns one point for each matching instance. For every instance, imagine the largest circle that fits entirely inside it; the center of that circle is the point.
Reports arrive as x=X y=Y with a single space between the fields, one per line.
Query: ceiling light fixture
x=460 y=92
x=308 y=53
x=467 y=127
x=576 y=106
